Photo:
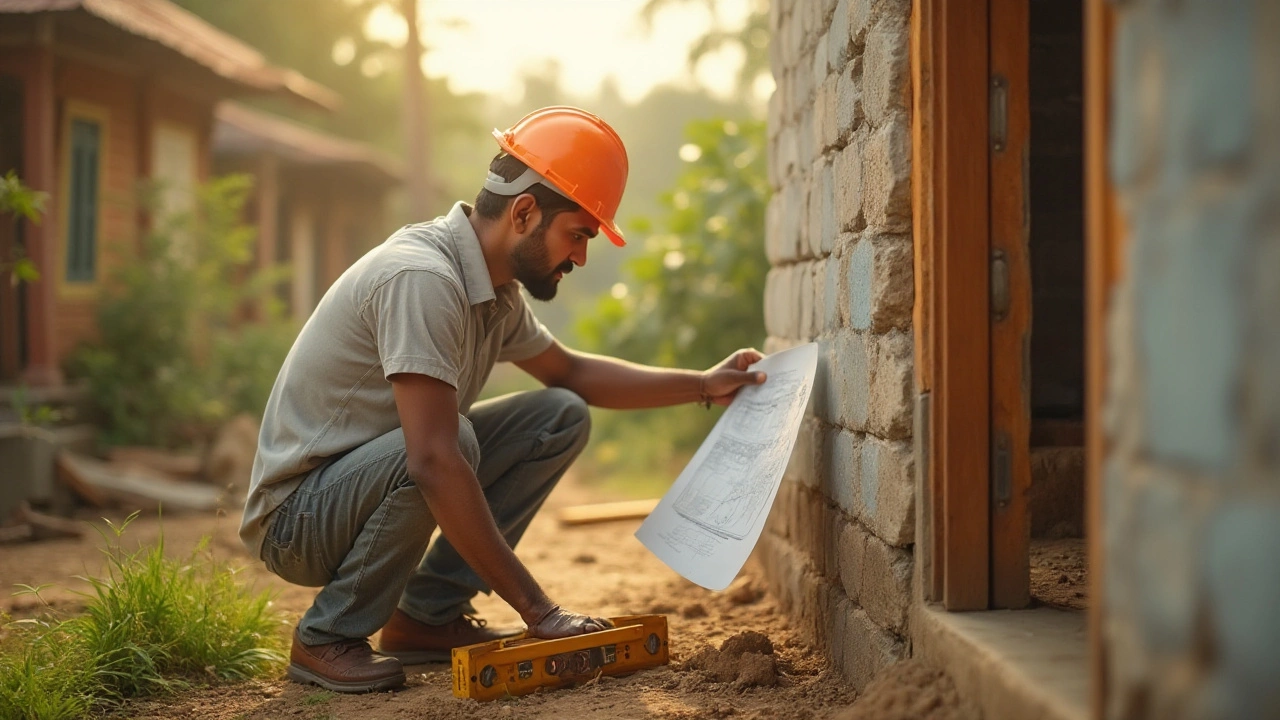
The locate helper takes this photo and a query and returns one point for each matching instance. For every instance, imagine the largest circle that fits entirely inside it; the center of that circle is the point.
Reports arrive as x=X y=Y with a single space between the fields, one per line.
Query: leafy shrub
x=176 y=353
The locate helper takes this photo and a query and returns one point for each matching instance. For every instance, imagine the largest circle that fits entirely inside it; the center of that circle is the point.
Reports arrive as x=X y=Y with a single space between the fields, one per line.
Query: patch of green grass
x=317 y=698
x=152 y=625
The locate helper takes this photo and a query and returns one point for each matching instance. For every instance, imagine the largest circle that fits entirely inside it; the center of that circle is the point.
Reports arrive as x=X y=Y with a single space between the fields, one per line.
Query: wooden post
x=40 y=123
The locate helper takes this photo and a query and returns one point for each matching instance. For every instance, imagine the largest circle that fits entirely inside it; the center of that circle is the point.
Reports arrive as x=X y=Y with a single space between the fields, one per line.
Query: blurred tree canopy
x=325 y=41
x=752 y=38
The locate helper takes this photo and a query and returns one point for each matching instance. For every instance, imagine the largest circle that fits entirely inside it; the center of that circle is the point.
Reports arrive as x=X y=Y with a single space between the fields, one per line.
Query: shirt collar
x=475 y=273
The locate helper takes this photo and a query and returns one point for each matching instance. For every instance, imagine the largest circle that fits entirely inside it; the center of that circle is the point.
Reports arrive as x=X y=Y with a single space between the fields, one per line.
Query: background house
x=95 y=97
x=319 y=202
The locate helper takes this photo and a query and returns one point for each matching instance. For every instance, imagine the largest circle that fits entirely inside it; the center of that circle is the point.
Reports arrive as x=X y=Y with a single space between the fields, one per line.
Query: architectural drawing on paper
x=735 y=482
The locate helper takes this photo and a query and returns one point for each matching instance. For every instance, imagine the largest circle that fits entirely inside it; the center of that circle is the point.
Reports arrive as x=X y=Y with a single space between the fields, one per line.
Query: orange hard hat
x=579 y=154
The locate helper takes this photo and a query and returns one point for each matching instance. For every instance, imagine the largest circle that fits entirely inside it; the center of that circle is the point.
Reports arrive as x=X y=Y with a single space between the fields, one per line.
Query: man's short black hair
x=490 y=205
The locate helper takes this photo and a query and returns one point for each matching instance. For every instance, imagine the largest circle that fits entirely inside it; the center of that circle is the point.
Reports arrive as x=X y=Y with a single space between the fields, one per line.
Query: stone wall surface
x=1192 y=484
x=837 y=549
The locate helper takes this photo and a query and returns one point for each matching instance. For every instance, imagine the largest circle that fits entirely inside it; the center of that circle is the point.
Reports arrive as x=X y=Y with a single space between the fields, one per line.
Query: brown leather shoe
x=347 y=666
x=413 y=642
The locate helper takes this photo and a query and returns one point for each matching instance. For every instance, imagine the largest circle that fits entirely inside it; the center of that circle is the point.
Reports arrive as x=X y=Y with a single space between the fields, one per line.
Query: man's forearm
x=456 y=501
x=620 y=385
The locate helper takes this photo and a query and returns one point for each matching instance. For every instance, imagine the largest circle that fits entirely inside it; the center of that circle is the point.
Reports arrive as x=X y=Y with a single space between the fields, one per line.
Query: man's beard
x=528 y=261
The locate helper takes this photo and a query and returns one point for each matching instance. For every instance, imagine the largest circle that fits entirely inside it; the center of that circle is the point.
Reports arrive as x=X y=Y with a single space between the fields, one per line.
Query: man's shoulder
x=416 y=250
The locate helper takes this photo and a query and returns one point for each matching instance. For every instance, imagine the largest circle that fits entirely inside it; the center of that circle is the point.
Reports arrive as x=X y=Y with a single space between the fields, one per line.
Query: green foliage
x=19 y=201
x=34 y=414
x=176 y=355
x=152 y=625
x=692 y=295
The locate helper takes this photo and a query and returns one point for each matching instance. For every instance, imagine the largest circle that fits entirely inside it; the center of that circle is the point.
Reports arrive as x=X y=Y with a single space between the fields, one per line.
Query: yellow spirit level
x=519 y=666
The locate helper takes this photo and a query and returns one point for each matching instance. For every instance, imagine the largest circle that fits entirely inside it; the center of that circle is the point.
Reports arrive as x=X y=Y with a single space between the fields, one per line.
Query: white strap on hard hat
x=530 y=177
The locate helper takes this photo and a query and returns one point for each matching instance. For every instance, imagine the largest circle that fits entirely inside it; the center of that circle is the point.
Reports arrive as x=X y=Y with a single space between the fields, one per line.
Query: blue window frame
x=82 y=225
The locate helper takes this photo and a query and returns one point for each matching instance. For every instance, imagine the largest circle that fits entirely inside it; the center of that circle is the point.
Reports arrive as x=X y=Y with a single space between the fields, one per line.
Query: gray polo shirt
x=422 y=302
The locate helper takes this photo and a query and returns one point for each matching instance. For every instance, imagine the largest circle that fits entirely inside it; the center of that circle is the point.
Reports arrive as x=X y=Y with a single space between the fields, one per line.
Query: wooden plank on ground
x=134 y=487
x=606 y=512
x=1011 y=312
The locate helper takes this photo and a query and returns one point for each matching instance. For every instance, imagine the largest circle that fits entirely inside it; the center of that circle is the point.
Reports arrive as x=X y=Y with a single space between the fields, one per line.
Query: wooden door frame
x=973 y=548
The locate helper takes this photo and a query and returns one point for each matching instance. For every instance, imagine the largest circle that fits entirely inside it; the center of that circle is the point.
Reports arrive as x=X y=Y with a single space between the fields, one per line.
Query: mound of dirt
x=745 y=659
x=909 y=690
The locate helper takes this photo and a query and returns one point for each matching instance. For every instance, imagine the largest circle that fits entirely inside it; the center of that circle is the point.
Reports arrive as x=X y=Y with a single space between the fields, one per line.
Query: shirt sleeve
x=417 y=318
x=525 y=336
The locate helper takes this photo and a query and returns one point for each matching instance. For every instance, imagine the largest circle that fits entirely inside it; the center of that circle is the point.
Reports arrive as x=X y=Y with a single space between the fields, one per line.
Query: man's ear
x=524 y=213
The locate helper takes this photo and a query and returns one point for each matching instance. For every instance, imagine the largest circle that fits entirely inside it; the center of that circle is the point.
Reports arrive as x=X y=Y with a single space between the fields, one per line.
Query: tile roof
x=167 y=24
x=241 y=131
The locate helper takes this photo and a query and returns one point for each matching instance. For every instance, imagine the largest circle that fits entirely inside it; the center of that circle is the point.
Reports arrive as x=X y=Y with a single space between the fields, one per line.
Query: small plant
x=34 y=414
x=152 y=625
x=20 y=201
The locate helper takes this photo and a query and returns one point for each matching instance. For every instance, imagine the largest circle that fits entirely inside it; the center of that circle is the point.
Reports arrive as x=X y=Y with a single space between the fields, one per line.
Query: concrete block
x=792 y=219
x=886 y=81
x=849 y=106
x=832 y=299
x=886 y=584
x=849 y=387
x=807 y=143
x=804 y=300
x=887 y=490
x=881 y=283
x=859 y=16
x=773 y=230
x=891 y=396
x=841 y=464
x=819 y=319
x=828 y=8
x=1189 y=295
x=848 y=175
x=801 y=88
x=827 y=115
x=1243 y=537
x=839 y=42
x=774 y=302
x=819 y=67
x=787 y=156
x=852 y=559
x=886 y=176
x=778 y=344
x=820 y=189
x=794 y=35
x=805 y=465
x=869 y=649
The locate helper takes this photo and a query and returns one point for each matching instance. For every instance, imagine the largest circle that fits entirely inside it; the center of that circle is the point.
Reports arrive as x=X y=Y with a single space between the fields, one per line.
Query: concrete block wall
x=1192 y=485
x=837 y=549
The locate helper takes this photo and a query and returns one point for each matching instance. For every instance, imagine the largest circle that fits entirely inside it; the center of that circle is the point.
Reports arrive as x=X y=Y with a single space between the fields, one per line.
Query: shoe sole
x=304 y=676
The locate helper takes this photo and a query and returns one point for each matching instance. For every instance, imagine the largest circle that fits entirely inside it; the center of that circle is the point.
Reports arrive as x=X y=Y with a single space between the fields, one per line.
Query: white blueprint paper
x=707 y=524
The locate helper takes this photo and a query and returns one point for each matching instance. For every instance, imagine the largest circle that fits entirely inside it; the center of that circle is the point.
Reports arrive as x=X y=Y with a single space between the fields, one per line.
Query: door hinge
x=1001 y=470
x=999 y=285
x=999 y=113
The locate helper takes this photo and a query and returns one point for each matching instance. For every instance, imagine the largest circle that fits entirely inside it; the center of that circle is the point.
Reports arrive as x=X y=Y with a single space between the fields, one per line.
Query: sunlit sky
x=485 y=45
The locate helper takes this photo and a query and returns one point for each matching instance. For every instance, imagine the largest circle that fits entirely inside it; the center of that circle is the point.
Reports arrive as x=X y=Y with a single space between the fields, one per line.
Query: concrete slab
x=1014 y=664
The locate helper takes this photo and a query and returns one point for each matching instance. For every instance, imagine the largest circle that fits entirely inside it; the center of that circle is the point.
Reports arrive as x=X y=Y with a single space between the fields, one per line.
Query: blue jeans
x=358 y=526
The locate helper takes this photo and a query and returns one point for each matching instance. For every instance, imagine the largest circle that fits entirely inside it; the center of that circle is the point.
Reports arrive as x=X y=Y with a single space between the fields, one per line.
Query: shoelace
x=344 y=646
x=475 y=621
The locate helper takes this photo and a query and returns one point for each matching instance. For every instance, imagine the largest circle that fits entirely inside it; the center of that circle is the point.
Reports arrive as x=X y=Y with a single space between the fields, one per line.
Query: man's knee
x=572 y=412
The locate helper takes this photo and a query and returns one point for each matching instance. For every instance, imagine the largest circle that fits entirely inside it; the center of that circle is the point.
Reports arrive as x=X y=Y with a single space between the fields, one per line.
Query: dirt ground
x=597 y=568
x=1059 y=573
